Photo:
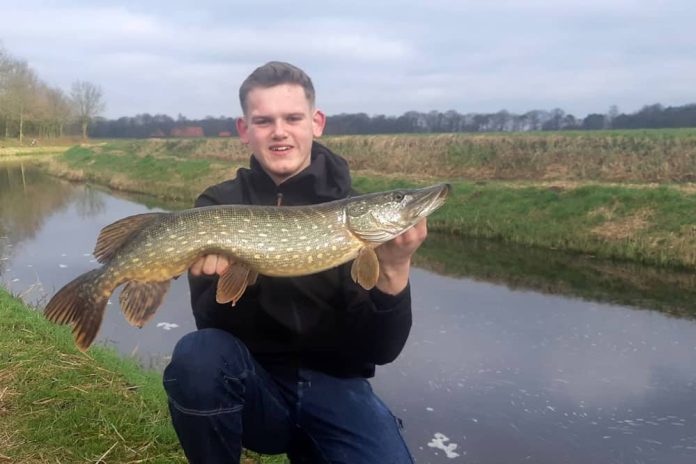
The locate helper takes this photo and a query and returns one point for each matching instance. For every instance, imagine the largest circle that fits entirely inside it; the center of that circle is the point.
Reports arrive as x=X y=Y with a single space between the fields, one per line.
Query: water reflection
x=557 y=273
x=26 y=199
x=515 y=355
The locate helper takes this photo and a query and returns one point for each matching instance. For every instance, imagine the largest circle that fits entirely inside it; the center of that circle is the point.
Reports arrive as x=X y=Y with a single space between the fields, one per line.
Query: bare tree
x=59 y=110
x=87 y=102
x=20 y=84
x=5 y=66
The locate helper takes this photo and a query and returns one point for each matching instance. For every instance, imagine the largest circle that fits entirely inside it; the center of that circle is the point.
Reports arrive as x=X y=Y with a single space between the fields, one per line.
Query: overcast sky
x=372 y=56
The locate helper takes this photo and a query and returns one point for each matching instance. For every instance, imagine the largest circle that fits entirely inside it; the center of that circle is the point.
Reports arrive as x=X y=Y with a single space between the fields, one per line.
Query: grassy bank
x=631 y=220
x=58 y=405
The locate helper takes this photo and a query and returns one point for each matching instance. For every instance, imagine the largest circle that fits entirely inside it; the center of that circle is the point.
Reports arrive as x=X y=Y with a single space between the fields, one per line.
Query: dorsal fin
x=113 y=236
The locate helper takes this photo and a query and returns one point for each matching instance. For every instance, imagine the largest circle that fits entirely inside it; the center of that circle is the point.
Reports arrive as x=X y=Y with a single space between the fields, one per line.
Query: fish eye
x=398 y=196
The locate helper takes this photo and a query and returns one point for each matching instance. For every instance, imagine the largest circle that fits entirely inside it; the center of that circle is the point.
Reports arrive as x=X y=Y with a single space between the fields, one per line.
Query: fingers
x=414 y=236
x=209 y=265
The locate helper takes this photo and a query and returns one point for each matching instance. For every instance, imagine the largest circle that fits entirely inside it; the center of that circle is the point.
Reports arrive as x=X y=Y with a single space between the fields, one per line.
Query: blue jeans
x=221 y=399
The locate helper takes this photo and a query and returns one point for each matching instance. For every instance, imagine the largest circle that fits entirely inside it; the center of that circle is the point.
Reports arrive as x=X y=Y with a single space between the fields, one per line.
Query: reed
x=641 y=156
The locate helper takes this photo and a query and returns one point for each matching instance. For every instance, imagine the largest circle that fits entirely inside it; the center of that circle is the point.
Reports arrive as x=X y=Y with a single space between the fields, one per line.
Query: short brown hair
x=276 y=73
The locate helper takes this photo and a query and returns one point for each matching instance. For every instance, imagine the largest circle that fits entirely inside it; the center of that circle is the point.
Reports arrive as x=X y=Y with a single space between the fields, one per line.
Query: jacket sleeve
x=378 y=324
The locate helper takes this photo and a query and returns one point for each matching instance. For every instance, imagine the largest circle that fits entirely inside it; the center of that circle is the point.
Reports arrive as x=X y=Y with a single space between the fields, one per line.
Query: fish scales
x=146 y=251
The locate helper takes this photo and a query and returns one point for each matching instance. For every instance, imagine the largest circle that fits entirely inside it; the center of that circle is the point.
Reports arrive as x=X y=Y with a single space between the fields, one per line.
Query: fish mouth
x=429 y=199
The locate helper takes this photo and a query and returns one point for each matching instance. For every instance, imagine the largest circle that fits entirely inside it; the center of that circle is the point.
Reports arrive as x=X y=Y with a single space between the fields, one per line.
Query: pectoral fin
x=365 y=268
x=233 y=282
x=140 y=300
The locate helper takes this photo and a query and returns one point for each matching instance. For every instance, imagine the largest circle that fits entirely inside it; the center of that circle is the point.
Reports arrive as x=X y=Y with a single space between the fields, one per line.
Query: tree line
x=29 y=107
x=651 y=116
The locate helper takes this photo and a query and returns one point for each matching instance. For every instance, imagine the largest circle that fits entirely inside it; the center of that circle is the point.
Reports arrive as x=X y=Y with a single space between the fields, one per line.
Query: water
x=514 y=356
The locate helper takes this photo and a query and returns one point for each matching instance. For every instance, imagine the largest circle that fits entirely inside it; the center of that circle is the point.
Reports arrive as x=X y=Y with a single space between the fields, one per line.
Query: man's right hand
x=209 y=265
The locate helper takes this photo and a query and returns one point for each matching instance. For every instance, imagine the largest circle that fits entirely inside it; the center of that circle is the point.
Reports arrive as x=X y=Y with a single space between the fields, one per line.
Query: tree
x=87 y=103
x=610 y=116
x=21 y=84
x=58 y=111
x=594 y=121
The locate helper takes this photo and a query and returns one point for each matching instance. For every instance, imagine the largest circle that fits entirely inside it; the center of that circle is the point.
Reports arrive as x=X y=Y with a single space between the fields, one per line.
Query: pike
x=146 y=251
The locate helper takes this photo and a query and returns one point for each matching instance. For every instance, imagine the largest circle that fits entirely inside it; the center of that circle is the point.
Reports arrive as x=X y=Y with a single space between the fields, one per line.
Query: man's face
x=279 y=126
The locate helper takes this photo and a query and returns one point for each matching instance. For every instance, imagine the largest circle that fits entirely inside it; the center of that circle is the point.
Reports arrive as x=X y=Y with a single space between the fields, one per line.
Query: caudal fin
x=80 y=303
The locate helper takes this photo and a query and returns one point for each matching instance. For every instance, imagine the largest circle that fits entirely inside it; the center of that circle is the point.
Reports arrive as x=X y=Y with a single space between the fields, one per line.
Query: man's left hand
x=395 y=258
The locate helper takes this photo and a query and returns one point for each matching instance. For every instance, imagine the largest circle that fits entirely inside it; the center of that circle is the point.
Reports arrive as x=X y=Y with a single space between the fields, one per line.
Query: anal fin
x=140 y=300
x=365 y=268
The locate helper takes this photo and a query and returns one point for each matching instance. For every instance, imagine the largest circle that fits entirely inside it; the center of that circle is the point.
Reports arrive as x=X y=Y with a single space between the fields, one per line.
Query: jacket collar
x=326 y=178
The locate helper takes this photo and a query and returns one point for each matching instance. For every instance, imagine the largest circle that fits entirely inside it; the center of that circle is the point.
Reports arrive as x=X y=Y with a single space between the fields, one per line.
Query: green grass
x=76 y=406
x=113 y=165
x=146 y=168
x=60 y=405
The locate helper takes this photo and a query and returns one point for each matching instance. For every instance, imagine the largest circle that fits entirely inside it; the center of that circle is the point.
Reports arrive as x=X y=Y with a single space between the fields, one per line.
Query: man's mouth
x=280 y=148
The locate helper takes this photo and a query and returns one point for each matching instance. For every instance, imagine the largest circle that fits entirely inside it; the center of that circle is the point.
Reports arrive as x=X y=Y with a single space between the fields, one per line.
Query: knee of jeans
x=201 y=360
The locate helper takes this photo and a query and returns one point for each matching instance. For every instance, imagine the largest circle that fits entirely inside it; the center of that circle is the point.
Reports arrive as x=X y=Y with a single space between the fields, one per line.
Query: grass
x=59 y=405
x=608 y=156
x=112 y=165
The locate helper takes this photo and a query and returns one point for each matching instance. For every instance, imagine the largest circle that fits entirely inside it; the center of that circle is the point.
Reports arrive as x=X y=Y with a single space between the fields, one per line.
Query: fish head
x=379 y=217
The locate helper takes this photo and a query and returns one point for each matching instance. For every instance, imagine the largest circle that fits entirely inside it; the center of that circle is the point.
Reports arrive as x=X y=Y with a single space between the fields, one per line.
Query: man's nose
x=279 y=130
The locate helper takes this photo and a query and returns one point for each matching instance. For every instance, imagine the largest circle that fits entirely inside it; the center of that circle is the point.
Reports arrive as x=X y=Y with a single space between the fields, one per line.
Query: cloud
x=386 y=57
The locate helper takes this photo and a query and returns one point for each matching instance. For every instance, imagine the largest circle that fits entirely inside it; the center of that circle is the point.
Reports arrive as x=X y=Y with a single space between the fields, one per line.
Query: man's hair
x=276 y=73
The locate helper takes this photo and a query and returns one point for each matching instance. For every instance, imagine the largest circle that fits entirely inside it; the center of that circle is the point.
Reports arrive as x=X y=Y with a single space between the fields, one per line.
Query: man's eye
x=261 y=122
x=295 y=118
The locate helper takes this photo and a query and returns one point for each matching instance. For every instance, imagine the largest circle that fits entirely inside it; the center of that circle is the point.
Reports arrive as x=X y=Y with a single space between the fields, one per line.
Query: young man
x=285 y=369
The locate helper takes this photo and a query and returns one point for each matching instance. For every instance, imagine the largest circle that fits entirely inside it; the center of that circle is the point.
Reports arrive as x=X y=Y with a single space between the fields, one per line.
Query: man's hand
x=209 y=265
x=395 y=258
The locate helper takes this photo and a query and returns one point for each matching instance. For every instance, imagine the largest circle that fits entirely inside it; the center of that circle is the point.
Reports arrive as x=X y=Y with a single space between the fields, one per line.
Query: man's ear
x=318 y=123
x=243 y=130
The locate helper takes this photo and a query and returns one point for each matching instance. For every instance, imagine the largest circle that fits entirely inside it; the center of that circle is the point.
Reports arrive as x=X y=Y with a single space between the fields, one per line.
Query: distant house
x=158 y=133
x=224 y=134
x=187 y=131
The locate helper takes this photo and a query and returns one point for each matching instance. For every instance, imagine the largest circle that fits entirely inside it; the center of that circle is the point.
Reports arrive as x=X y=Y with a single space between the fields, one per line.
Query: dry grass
x=620 y=228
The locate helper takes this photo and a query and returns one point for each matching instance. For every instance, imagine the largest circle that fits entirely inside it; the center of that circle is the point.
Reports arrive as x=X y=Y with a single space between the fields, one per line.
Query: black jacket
x=322 y=321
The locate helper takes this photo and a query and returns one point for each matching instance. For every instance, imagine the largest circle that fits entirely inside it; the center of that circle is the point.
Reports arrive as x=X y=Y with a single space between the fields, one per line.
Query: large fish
x=146 y=251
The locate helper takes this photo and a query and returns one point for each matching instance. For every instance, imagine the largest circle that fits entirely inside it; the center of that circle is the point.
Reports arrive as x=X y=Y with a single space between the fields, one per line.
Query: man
x=285 y=369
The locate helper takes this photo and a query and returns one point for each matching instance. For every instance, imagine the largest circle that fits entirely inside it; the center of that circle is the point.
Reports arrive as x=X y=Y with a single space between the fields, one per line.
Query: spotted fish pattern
x=144 y=252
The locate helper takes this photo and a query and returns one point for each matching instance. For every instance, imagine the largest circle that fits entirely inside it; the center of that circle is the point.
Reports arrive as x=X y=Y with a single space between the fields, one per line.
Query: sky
x=373 y=56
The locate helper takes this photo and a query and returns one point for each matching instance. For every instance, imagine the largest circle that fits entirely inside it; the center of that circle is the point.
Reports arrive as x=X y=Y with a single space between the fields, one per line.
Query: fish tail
x=80 y=303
